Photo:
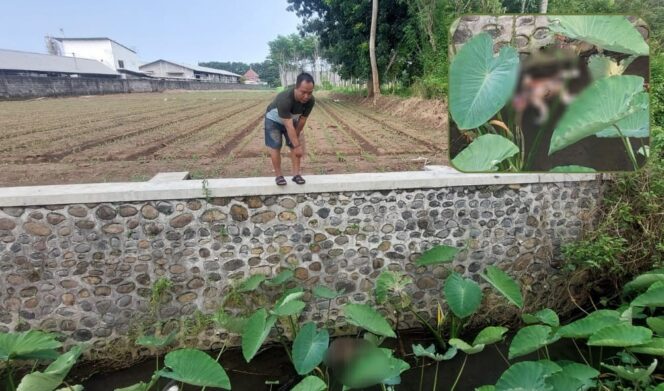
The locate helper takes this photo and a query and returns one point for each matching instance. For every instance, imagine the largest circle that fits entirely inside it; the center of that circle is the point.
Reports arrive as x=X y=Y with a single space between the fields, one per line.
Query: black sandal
x=298 y=179
x=281 y=181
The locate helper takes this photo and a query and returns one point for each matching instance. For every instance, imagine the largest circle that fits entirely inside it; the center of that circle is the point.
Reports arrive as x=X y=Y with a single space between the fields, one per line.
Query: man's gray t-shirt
x=285 y=106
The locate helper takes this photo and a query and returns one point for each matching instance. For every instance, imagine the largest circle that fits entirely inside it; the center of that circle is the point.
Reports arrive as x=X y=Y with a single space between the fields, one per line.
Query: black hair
x=304 y=76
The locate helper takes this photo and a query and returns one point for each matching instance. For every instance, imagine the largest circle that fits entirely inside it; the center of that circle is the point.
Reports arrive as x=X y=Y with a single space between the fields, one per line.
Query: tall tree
x=544 y=5
x=281 y=52
x=293 y=53
x=343 y=27
x=375 y=91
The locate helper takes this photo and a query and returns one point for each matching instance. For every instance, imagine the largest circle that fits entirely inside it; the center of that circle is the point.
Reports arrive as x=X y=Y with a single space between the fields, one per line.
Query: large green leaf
x=599 y=106
x=633 y=374
x=656 y=324
x=481 y=84
x=489 y=335
x=636 y=124
x=621 y=335
x=285 y=276
x=653 y=297
x=77 y=387
x=610 y=32
x=601 y=66
x=362 y=315
x=525 y=376
x=585 y=327
x=374 y=366
x=53 y=375
x=28 y=345
x=437 y=254
x=289 y=308
x=464 y=295
x=562 y=381
x=233 y=324
x=485 y=153
x=194 y=367
x=289 y=303
x=324 y=292
x=529 y=339
x=546 y=316
x=504 y=284
x=582 y=372
x=430 y=352
x=309 y=348
x=257 y=328
x=654 y=347
x=572 y=169
x=251 y=283
x=310 y=383
x=465 y=346
x=155 y=341
x=642 y=282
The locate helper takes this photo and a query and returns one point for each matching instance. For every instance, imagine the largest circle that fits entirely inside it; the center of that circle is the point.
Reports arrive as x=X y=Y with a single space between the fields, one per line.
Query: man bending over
x=285 y=118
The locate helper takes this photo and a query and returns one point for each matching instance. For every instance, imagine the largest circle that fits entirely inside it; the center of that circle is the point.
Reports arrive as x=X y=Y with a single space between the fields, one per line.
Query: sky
x=183 y=31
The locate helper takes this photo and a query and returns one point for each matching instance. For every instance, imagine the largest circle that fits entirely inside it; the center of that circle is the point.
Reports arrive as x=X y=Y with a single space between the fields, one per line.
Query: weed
x=159 y=291
x=341 y=157
x=367 y=156
x=223 y=232
x=198 y=323
x=207 y=194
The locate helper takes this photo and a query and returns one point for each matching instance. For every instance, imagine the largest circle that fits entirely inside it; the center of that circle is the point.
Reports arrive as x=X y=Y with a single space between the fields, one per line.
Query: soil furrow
x=364 y=143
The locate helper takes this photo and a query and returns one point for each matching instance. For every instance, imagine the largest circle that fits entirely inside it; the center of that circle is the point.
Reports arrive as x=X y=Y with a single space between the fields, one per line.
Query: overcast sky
x=193 y=31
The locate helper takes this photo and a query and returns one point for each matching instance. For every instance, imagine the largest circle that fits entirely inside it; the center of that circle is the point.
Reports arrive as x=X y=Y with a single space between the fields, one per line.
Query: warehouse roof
x=197 y=68
x=26 y=61
x=93 y=39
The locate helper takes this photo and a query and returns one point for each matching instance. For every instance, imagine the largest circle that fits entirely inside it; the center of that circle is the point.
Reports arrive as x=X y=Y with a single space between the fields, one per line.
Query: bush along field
x=488 y=100
x=617 y=347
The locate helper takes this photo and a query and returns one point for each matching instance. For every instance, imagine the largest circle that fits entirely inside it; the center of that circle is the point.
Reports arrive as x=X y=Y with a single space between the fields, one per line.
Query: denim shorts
x=274 y=134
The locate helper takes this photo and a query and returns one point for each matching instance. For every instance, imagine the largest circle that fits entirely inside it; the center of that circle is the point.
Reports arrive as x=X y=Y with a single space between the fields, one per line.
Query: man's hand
x=299 y=150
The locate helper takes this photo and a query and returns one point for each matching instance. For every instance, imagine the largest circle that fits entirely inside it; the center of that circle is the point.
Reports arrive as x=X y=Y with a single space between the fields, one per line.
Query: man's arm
x=292 y=132
x=293 y=136
x=300 y=124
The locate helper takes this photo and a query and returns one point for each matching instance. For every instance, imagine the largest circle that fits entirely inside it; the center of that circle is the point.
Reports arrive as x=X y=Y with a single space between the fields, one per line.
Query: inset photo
x=549 y=93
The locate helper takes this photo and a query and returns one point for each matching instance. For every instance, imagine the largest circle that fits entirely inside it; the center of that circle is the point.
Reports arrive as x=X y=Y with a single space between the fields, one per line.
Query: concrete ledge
x=233 y=187
x=170 y=176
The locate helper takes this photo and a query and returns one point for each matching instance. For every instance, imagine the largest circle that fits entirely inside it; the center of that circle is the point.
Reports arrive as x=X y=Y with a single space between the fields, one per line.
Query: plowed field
x=210 y=134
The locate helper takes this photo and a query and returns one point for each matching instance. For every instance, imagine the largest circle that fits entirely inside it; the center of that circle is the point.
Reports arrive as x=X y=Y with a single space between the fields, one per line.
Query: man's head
x=304 y=87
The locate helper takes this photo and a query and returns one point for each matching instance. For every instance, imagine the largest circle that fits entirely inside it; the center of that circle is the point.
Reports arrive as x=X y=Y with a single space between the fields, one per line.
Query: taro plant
x=614 y=105
x=188 y=366
x=632 y=334
x=310 y=344
x=462 y=295
x=38 y=347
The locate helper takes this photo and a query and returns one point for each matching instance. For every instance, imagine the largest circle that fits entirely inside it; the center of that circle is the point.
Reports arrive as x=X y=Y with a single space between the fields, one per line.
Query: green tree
x=343 y=28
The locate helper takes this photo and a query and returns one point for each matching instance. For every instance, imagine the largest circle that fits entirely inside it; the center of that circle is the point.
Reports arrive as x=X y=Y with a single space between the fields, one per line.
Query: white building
x=105 y=50
x=172 y=70
x=13 y=62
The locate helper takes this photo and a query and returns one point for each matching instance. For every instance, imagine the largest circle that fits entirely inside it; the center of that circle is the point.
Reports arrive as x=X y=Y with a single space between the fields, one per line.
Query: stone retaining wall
x=87 y=269
x=26 y=87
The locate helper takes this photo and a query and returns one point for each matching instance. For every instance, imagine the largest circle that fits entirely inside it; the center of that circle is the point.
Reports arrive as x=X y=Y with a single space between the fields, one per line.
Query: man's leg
x=273 y=142
x=297 y=161
x=275 y=156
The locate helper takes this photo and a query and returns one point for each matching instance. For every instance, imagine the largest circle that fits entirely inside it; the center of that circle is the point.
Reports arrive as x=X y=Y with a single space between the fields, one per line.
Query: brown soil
x=210 y=134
